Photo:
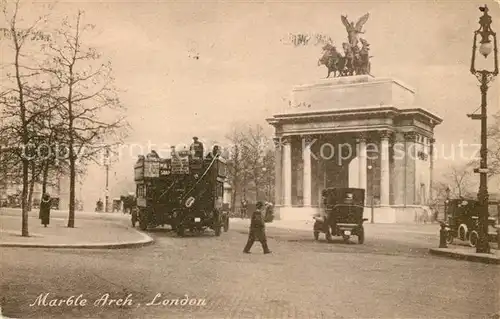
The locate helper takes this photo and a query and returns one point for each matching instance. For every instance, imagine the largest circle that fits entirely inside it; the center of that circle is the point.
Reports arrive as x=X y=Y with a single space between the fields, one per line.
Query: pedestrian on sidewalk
x=243 y=208
x=257 y=230
x=45 y=209
x=269 y=213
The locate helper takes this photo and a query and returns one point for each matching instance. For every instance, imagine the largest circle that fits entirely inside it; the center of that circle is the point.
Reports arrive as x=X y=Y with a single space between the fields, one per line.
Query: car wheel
x=462 y=232
x=473 y=238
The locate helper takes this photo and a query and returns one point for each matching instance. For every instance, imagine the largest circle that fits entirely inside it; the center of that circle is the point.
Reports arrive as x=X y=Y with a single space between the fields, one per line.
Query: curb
x=464 y=256
x=145 y=241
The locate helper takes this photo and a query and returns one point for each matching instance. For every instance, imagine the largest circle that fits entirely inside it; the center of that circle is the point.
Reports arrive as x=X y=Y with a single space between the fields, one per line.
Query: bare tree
x=268 y=163
x=493 y=154
x=255 y=145
x=19 y=99
x=459 y=180
x=48 y=135
x=234 y=163
x=87 y=98
x=494 y=146
x=251 y=162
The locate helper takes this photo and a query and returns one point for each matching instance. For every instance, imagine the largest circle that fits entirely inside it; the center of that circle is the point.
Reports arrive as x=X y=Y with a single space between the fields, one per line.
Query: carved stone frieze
x=410 y=136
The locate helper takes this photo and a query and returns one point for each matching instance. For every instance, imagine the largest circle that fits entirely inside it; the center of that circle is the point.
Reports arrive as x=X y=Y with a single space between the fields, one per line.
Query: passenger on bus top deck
x=216 y=150
x=214 y=153
x=196 y=148
x=153 y=154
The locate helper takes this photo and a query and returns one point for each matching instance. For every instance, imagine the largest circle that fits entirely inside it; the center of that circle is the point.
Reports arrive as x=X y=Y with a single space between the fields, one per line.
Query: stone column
x=287 y=171
x=307 y=171
x=410 y=168
x=431 y=169
x=278 y=167
x=384 y=169
x=362 y=158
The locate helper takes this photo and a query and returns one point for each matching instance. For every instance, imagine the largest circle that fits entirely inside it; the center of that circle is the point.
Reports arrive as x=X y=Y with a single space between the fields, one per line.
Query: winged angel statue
x=353 y=30
x=355 y=60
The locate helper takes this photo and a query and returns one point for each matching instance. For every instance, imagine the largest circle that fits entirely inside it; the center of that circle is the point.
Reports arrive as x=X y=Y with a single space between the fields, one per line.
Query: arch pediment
x=355 y=120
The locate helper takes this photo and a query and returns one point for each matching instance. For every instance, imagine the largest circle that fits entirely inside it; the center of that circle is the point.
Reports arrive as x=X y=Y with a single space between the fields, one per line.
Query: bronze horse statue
x=333 y=61
x=355 y=61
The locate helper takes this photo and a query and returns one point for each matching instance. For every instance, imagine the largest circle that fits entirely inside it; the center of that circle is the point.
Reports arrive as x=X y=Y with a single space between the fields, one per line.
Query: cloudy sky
x=245 y=69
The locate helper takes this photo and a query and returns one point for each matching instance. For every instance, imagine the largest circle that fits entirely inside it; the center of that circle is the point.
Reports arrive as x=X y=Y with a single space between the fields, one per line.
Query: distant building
x=11 y=188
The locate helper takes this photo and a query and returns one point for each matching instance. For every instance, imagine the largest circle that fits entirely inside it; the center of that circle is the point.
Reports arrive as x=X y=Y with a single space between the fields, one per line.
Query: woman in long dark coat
x=45 y=209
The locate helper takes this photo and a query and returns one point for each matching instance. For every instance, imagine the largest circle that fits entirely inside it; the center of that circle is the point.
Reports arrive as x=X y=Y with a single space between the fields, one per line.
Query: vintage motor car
x=342 y=214
x=462 y=220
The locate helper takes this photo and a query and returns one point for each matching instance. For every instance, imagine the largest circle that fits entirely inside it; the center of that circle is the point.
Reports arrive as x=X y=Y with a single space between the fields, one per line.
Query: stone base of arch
x=382 y=214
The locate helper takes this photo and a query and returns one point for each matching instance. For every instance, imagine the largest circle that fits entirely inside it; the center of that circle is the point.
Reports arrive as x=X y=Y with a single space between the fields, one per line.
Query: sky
x=245 y=70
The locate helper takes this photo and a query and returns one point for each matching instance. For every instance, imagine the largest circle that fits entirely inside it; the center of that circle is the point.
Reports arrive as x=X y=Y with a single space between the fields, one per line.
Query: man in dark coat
x=196 y=148
x=257 y=230
x=45 y=206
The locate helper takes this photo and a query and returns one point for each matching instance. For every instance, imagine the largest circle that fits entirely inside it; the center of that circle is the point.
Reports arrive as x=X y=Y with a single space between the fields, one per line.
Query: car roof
x=345 y=188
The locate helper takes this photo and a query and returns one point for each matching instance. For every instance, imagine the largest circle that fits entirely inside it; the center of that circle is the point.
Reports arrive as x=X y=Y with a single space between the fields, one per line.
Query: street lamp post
x=370 y=168
x=484 y=76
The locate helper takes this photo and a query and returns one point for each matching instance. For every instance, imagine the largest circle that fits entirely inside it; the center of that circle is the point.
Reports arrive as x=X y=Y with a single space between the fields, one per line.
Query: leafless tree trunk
x=234 y=164
x=88 y=93
x=248 y=163
x=20 y=102
x=19 y=124
x=32 y=182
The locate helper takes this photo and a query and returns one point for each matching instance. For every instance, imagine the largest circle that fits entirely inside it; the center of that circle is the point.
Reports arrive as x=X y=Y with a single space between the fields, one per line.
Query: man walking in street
x=257 y=230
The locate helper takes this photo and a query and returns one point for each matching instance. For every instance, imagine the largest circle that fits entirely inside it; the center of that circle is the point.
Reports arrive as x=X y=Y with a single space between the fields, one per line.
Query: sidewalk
x=468 y=253
x=55 y=214
x=86 y=234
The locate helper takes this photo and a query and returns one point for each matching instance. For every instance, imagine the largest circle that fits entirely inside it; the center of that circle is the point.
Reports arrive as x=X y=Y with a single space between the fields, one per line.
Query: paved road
x=385 y=278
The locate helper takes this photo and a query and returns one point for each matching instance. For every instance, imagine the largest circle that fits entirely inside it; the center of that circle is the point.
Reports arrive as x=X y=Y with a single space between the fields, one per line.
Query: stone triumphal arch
x=354 y=131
